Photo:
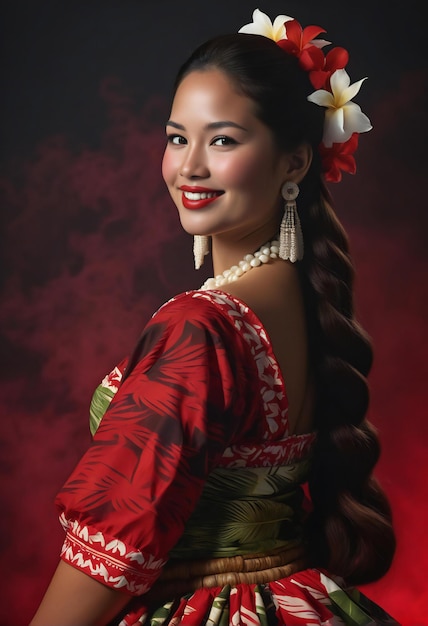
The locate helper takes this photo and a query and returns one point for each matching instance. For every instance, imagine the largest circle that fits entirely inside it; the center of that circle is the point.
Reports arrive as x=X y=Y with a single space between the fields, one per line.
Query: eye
x=223 y=140
x=176 y=140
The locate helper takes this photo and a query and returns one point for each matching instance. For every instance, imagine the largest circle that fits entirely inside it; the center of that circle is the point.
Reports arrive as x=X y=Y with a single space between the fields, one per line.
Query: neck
x=267 y=251
x=226 y=253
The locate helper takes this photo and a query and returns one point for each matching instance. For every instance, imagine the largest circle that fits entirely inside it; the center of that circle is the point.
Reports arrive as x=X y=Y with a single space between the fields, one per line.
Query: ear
x=297 y=163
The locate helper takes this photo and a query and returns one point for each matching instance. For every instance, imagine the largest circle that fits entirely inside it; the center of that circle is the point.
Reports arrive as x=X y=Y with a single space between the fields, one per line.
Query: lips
x=198 y=197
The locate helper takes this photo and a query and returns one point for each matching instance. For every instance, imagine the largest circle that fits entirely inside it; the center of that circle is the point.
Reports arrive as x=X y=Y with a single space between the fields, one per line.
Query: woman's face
x=221 y=165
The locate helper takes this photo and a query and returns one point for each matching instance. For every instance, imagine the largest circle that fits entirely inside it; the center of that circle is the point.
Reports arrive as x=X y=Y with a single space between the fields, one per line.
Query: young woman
x=189 y=506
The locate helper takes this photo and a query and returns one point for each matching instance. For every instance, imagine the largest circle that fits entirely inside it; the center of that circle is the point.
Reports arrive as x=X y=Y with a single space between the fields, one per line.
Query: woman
x=190 y=497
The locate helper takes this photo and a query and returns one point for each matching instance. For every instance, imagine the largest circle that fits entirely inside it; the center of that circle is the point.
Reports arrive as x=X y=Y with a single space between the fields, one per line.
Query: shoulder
x=274 y=290
x=211 y=309
x=193 y=318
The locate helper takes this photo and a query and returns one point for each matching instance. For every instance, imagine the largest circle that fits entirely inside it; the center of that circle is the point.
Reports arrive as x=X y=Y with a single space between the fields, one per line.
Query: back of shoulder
x=187 y=327
x=211 y=312
x=273 y=292
x=196 y=306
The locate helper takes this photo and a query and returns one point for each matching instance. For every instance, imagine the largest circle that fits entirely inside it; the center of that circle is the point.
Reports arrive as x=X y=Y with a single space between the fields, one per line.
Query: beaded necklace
x=267 y=251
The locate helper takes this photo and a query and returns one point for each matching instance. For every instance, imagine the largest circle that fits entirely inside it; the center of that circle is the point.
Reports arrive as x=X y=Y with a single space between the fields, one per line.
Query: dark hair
x=350 y=529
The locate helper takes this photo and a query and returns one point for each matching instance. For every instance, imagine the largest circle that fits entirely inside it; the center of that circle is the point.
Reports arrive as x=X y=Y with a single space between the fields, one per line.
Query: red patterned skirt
x=304 y=598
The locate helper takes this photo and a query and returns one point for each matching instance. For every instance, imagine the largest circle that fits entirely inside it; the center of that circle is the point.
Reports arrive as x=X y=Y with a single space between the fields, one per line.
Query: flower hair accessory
x=344 y=119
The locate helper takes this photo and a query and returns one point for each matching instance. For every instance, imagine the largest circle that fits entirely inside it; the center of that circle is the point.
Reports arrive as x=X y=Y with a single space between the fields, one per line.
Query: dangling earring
x=290 y=232
x=200 y=249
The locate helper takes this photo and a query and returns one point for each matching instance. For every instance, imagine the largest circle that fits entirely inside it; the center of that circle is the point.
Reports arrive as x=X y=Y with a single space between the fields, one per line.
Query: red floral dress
x=202 y=394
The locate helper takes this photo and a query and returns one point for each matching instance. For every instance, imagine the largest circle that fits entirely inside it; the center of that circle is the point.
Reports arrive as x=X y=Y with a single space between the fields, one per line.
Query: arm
x=126 y=503
x=75 y=598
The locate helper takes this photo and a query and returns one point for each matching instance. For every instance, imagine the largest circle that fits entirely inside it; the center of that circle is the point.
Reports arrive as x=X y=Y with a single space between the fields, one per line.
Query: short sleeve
x=182 y=401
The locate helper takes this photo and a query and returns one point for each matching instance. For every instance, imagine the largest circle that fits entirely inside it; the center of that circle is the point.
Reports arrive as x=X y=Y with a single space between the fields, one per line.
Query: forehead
x=210 y=91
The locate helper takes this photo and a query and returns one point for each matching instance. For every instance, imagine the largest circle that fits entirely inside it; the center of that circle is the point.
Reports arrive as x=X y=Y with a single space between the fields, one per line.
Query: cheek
x=245 y=172
x=169 y=167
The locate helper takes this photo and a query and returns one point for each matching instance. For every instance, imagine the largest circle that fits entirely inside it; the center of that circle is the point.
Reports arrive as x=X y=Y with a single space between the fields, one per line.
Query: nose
x=194 y=163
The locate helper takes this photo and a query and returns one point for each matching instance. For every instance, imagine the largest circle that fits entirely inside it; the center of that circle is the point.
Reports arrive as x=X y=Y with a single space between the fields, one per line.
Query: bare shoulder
x=273 y=291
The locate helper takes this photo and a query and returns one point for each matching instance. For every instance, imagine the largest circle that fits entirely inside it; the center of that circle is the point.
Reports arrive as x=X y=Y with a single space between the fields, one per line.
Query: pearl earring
x=200 y=249
x=290 y=232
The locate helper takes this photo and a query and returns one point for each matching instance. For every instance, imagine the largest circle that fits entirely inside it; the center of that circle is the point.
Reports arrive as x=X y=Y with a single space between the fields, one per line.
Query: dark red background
x=91 y=244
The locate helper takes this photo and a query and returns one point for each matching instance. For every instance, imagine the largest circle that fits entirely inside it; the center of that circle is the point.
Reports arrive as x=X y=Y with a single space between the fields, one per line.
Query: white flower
x=320 y=43
x=261 y=25
x=343 y=117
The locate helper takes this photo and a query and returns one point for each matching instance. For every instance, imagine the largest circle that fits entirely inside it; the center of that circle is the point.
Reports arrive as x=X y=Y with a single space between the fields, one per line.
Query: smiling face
x=221 y=165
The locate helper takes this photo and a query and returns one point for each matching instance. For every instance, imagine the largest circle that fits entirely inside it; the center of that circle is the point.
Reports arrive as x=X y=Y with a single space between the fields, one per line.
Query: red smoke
x=94 y=246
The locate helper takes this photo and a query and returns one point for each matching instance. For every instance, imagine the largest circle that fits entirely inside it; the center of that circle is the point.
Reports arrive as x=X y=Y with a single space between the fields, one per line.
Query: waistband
x=183 y=576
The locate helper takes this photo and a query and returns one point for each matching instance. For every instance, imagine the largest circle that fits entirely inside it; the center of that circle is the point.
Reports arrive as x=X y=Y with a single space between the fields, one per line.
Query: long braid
x=350 y=527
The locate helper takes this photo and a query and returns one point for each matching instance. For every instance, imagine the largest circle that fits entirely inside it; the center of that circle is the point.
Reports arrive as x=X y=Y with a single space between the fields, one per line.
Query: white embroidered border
x=285 y=448
x=110 y=561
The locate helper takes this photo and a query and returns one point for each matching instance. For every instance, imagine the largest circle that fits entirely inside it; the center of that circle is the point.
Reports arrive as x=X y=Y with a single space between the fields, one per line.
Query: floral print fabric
x=202 y=390
x=310 y=597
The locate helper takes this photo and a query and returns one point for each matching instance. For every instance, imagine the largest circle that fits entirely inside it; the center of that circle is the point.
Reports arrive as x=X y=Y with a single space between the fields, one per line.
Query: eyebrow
x=211 y=126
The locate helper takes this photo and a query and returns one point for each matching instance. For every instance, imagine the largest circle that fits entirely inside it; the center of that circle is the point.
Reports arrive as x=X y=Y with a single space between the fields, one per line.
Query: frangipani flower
x=343 y=117
x=301 y=43
x=261 y=25
x=340 y=156
x=321 y=67
x=298 y=39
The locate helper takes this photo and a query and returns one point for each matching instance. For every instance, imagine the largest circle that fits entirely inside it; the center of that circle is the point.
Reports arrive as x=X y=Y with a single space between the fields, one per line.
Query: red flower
x=339 y=157
x=335 y=59
x=299 y=39
x=311 y=57
x=298 y=43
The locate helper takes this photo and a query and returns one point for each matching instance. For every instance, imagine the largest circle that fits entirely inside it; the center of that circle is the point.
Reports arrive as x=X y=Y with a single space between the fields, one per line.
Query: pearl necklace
x=268 y=251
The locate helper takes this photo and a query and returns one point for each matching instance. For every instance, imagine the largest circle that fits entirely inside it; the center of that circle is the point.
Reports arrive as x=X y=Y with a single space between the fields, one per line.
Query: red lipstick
x=200 y=198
